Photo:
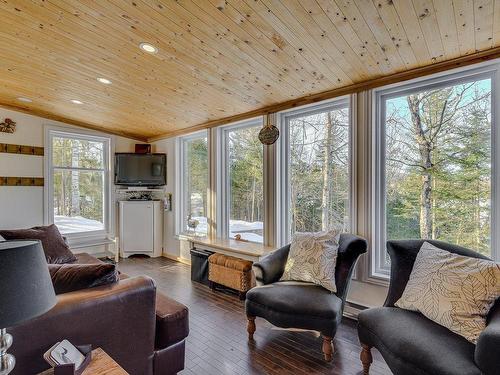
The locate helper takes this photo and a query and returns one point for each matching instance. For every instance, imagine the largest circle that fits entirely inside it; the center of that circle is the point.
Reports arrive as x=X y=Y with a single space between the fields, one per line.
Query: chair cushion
x=412 y=344
x=71 y=277
x=312 y=258
x=452 y=290
x=54 y=246
x=294 y=304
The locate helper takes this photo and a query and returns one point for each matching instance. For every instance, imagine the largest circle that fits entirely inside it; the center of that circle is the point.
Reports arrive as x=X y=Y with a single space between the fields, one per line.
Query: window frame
x=283 y=162
x=90 y=238
x=222 y=175
x=377 y=270
x=180 y=180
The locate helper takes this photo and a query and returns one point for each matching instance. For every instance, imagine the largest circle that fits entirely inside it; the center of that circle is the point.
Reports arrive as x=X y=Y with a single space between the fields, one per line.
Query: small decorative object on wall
x=142 y=148
x=8 y=126
x=192 y=223
x=269 y=133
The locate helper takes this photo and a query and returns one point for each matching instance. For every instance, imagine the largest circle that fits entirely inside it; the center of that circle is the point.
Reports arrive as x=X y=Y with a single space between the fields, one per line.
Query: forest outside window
x=316 y=169
x=78 y=183
x=194 y=185
x=435 y=163
x=242 y=181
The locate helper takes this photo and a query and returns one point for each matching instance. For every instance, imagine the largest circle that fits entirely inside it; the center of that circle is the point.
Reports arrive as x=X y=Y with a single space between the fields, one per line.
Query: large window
x=193 y=192
x=78 y=186
x=315 y=161
x=242 y=175
x=435 y=163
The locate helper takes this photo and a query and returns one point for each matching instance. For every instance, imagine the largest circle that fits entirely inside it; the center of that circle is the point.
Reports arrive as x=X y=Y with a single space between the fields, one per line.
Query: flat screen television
x=140 y=169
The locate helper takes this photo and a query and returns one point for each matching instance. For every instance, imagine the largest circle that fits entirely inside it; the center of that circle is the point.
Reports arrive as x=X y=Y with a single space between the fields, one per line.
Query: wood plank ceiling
x=216 y=58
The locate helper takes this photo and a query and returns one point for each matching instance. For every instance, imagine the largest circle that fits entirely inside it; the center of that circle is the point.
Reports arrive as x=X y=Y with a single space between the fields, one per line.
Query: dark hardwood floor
x=218 y=344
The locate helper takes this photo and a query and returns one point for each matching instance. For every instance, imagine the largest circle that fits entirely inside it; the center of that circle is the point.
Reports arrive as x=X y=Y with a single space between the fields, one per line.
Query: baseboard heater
x=352 y=309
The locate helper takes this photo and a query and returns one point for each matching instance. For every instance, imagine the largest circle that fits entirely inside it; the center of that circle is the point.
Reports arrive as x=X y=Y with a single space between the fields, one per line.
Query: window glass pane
x=319 y=170
x=246 y=201
x=195 y=185
x=80 y=153
x=438 y=165
x=78 y=201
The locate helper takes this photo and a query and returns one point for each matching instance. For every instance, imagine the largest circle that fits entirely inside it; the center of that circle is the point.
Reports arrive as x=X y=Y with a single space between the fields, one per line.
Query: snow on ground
x=251 y=231
x=75 y=224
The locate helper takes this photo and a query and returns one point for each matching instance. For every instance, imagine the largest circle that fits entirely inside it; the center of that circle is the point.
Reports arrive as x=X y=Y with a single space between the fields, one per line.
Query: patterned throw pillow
x=452 y=290
x=312 y=258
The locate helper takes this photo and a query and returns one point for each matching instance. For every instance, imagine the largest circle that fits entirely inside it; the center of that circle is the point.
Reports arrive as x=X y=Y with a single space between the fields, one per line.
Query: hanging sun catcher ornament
x=269 y=133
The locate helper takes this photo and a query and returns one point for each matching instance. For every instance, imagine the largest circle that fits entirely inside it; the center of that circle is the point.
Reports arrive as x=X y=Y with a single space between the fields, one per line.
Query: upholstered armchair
x=410 y=343
x=291 y=304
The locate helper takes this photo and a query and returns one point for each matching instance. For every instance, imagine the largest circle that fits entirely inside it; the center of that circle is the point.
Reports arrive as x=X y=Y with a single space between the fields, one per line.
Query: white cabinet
x=141 y=228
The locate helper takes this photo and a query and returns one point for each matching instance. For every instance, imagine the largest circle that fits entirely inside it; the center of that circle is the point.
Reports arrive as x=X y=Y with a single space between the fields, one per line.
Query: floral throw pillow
x=454 y=291
x=312 y=258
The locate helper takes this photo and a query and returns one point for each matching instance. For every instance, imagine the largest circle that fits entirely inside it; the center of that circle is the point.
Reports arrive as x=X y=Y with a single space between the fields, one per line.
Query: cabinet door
x=137 y=227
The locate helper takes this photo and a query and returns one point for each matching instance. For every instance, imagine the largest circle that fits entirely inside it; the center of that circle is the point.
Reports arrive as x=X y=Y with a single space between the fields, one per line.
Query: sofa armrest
x=270 y=268
x=120 y=318
x=172 y=322
x=487 y=354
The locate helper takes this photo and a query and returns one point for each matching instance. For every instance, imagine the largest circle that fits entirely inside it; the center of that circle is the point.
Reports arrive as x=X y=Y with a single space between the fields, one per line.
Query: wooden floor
x=218 y=344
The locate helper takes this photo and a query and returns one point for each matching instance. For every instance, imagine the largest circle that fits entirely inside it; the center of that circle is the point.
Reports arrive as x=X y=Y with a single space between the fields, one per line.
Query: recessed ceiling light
x=104 y=80
x=75 y=101
x=148 y=48
x=23 y=99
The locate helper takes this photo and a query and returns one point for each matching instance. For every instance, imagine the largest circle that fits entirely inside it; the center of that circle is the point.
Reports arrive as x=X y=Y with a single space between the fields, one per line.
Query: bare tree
x=432 y=114
x=327 y=174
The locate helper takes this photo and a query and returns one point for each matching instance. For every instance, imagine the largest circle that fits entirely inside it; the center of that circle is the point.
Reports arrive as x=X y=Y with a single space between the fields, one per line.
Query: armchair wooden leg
x=251 y=327
x=327 y=348
x=366 y=358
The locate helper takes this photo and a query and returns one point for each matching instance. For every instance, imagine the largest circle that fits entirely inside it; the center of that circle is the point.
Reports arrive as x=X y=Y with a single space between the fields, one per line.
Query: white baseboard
x=177 y=258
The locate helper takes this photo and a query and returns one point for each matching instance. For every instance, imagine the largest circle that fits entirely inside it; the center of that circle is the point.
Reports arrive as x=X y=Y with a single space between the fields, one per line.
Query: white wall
x=22 y=206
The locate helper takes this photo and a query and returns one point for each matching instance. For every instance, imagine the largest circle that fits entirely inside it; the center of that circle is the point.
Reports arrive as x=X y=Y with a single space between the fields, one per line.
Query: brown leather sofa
x=141 y=329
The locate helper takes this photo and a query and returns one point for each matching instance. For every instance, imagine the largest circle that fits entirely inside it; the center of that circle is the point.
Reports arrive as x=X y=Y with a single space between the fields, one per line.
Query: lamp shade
x=26 y=289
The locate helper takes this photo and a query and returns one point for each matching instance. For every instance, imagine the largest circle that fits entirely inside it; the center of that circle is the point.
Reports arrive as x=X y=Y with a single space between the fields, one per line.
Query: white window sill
x=190 y=237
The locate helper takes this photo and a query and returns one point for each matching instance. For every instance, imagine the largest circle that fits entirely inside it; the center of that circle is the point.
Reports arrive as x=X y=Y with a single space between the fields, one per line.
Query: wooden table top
x=101 y=364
